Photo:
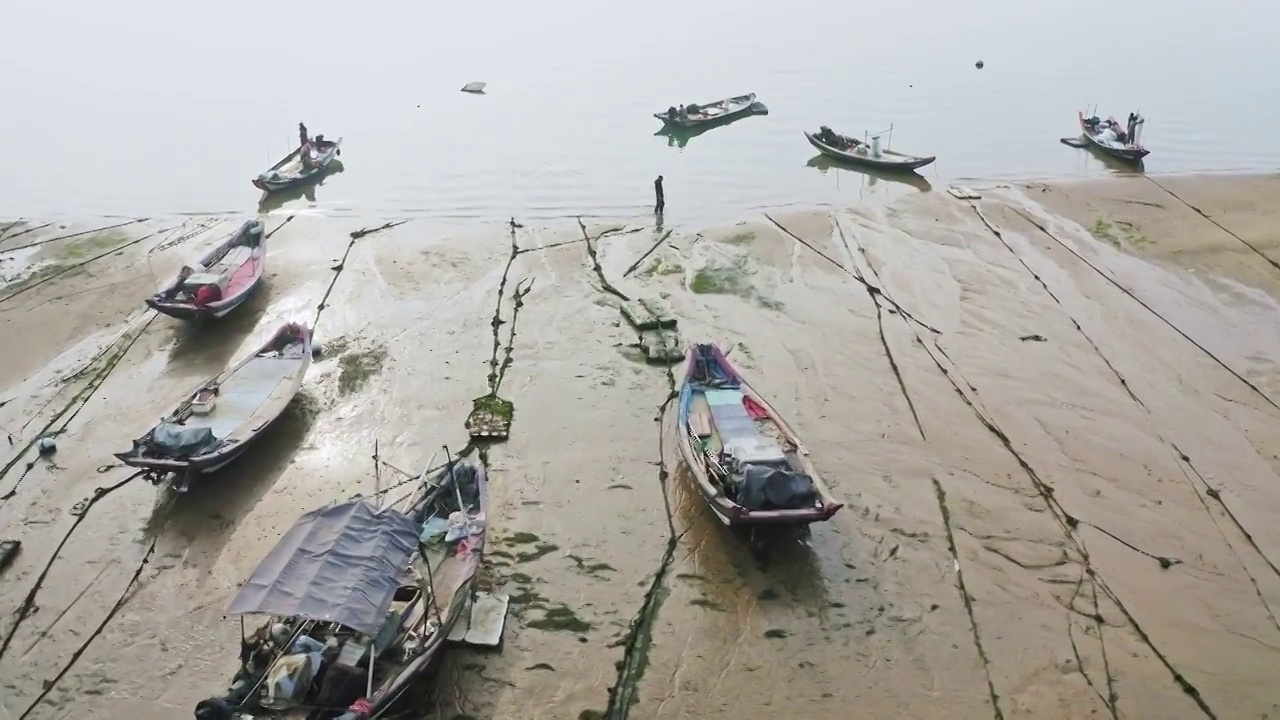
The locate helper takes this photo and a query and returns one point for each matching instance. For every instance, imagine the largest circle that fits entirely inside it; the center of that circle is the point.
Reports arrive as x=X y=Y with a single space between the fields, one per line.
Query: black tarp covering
x=766 y=487
x=177 y=441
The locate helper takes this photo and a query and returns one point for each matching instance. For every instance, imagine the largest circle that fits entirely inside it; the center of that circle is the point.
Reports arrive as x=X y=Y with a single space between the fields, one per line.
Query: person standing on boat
x=302 y=134
x=661 y=201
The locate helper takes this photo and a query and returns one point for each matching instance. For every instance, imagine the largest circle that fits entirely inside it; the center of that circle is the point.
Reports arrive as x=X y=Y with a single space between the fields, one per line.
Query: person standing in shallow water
x=660 y=201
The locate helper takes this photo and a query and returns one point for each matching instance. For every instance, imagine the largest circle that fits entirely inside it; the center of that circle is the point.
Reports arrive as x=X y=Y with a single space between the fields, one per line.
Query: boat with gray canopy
x=360 y=601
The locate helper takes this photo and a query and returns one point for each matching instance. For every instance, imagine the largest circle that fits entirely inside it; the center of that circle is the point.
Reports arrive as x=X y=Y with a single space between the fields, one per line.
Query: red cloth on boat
x=208 y=294
x=754 y=409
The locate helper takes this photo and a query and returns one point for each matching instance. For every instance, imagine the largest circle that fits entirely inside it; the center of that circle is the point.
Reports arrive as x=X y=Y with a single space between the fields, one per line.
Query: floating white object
x=474 y=87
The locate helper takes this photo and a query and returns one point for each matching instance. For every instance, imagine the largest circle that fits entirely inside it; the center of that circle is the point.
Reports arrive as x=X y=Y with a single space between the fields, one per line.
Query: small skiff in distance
x=218 y=421
x=359 y=601
x=747 y=462
x=687 y=116
x=854 y=151
x=1114 y=139
x=292 y=171
x=229 y=272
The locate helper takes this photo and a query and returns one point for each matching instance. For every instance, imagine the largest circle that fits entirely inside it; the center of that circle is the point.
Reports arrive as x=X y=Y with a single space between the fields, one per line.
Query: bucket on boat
x=202 y=403
x=875 y=146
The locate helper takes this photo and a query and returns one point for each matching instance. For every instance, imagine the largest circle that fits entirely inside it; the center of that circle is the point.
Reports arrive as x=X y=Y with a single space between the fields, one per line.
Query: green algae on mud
x=357 y=367
x=560 y=619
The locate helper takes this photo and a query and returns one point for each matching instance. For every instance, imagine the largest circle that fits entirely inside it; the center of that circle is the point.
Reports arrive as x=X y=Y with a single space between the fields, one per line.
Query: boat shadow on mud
x=271 y=201
x=198 y=523
x=772 y=557
x=870 y=175
x=208 y=344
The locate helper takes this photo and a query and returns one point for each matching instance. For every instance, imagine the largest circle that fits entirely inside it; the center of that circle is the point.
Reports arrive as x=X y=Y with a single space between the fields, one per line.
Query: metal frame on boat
x=217 y=422
x=723 y=427
x=237 y=279
x=361 y=600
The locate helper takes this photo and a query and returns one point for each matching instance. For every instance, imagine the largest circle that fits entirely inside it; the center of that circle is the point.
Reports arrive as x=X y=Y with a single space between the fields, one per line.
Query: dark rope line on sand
x=1139 y=300
x=120 y=603
x=342 y=264
x=24 y=609
x=1066 y=522
x=595 y=260
x=82 y=397
x=82 y=263
x=24 y=232
x=68 y=237
x=1182 y=460
x=1216 y=224
x=873 y=289
x=647 y=253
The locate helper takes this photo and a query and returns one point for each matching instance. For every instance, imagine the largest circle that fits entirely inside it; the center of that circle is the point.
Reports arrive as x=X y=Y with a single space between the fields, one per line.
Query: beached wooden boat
x=688 y=116
x=1114 y=139
x=856 y=152
x=352 y=582
x=291 y=171
x=747 y=462
x=219 y=421
x=234 y=267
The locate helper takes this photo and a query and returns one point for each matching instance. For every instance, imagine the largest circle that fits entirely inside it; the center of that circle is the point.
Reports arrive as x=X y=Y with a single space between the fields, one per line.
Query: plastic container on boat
x=202 y=403
x=875 y=146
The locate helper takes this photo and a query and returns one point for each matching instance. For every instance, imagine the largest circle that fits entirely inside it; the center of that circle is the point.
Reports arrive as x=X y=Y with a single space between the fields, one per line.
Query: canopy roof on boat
x=338 y=564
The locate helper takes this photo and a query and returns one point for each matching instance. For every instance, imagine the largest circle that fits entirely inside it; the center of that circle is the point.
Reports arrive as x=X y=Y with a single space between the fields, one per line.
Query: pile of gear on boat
x=683 y=112
x=1109 y=130
x=847 y=144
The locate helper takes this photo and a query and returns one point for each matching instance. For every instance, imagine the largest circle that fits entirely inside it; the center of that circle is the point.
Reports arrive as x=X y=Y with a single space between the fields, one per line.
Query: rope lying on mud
x=1139 y=300
x=342 y=264
x=64 y=237
x=82 y=398
x=28 y=602
x=1216 y=224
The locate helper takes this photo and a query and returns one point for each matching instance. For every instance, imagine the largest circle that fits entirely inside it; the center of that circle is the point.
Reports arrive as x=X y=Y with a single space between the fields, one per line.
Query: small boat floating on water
x=218 y=282
x=1123 y=142
x=693 y=115
x=747 y=462
x=360 y=601
x=306 y=163
x=218 y=421
x=857 y=152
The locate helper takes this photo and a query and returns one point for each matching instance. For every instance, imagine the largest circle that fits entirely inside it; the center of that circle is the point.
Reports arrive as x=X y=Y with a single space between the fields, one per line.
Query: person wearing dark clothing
x=302 y=134
x=657 y=191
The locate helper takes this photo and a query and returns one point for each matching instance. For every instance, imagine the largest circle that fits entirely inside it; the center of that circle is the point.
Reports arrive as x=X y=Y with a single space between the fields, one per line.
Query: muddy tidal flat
x=1052 y=414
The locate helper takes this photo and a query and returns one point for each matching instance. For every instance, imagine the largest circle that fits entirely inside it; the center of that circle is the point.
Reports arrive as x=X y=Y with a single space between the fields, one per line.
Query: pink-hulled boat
x=221 y=280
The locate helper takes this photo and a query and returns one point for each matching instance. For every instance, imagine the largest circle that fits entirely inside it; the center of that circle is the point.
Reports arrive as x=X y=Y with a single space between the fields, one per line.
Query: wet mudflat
x=1051 y=413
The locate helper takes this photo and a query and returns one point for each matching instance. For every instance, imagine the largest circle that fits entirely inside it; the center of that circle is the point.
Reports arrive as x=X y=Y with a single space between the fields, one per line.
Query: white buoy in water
x=46 y=446
x=475 y=88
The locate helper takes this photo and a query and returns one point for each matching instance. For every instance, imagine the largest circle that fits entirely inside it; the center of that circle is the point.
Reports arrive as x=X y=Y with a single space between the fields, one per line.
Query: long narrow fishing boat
x=359 y=600
x=219 y=421
x=693 y=115
x=220 y=281
x=306 y=163
x=748 y=464
x=854 y=151
x=1114 y=139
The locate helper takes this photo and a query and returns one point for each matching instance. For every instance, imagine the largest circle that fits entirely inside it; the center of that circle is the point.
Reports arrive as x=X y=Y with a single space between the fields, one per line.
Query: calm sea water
x=149 y=107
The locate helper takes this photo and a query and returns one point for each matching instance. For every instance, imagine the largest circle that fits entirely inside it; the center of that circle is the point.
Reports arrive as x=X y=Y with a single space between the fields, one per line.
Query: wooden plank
x=700 y=418
x=963 y=193
x=646 y=315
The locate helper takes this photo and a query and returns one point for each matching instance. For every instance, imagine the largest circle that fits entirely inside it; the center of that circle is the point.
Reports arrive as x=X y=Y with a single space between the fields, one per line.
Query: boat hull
x=741 y=105
x=223 y=307
x=889 y=162
x=268 y=184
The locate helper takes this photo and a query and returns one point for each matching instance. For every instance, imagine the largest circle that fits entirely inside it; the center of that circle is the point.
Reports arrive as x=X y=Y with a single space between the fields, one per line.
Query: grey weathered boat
x=1113 y=139
x=712 y=112
x=218 y=421
x=291 y=171
x=360 y=601
x=234 y=266
x=748 y=464
x=854 y=151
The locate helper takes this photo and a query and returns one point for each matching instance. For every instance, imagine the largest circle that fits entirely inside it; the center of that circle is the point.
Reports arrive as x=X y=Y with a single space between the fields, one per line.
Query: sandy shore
x=1053 y=418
